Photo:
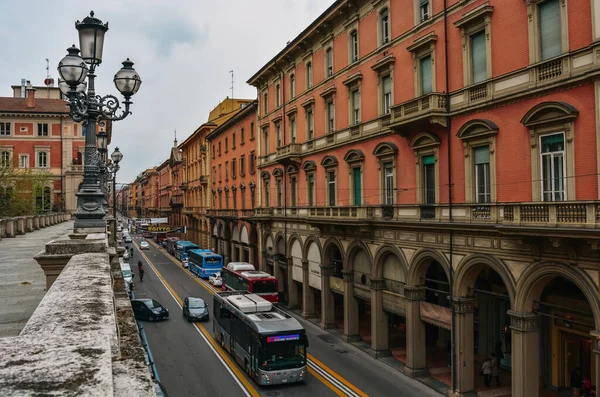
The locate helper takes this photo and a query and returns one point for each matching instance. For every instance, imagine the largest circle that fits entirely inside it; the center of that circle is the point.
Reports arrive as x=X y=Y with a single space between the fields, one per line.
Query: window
x=553 y=167
x=424 y=10
x=309 y=75
x=243 y=165
x=429 y=179
x=233 y=141
x=278 y=135
x=425 y=72
x=355 y=107
x=385 y=26
x=266 y=103
x=4 y=129
x=42 y=129
x=24 y=161
x=213 y=152
x=251 y=131
x=227 y=170
x=279 y=192
x=267 y=195
x=252 y=196
x=331 y=188
x=330 y=117
x=388 y=183
x=293 y=191
x=550 y=29
x=329 y=62
x=252 y=162
x=478 y=57
x=234 y=196
x=354 y=46
x=386 y=82
x=5 y=159
x=226 y=145
x=214 y=174
x=310 y=125
x=277 y=95
x=42 y=159
x=292 y=129
x=292 y=85
x=226 y=197
x=220 y=173
x=266 y=140
x=219 y=148
x=233 y=168
x=242 y=136
x=243 y=196
x=310 y=182
x=481 y=159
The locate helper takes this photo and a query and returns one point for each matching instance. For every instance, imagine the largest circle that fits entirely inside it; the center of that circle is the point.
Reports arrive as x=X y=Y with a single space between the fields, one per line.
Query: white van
x=127 y=274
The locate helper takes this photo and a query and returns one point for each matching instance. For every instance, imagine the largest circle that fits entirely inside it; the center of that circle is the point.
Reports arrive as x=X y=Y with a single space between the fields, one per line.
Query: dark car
x=149 y=309
x=195 y=309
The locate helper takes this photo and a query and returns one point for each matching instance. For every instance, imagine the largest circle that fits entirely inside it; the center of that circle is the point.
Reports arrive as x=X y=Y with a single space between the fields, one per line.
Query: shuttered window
x=550 y=30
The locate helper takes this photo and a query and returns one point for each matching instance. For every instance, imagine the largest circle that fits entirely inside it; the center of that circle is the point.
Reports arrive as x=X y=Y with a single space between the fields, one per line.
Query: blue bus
x=203 y=263
x=183 y=247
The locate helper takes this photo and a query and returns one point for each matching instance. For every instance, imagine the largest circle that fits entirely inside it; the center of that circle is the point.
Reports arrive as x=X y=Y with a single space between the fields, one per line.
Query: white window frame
x=384 y=26
x=328 y=62
x=386 y=98
x=310 y=124
x=487 y=191
x=355 y=107
x=309 y=75
x=293 y=129
x=311 y=187
x=47 y=159
x=422 y=11
x=563 y=155
x=535 y=48
x=5 y=162
x=44 y=133
x=292 y=86
x=328 y=174
x=21 y=157
x=354 y=54
x=277 y=95
x=330 y=116
x=422 y=48
x=278 y=137
x=4 y=129
x=388 y=182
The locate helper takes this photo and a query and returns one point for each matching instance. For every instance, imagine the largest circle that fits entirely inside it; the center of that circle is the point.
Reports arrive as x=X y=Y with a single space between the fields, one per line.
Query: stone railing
x=424 y=106
x=289 y=151
x=75 y=168
x=11 y=227
x=576 y=214
x=82 y=335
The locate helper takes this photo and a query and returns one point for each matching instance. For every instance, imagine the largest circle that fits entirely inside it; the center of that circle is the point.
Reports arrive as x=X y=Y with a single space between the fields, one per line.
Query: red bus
x=242 y=276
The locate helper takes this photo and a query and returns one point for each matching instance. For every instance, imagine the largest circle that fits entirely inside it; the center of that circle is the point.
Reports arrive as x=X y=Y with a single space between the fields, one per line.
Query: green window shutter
x=425 y=64
x=478 y=57
x=550 y=31
x=427 y=160
x=481 y=155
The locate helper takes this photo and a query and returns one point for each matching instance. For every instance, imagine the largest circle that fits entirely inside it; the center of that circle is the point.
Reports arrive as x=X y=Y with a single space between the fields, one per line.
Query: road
x=190 y=363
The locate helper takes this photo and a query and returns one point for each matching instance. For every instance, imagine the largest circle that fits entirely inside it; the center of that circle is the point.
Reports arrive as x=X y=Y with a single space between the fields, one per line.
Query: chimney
x=30 y=95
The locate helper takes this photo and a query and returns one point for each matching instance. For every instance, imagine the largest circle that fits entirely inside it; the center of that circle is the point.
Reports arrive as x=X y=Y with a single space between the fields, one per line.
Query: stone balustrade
x=11 y=227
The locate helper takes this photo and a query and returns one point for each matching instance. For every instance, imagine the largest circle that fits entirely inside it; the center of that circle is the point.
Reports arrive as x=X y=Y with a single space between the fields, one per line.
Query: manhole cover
x=328 y=338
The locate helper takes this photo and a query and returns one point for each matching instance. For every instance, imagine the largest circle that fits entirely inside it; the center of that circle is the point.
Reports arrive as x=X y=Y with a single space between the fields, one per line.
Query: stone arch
x=265 y=175
x=420 y=263
x=235 y=234
x=253 y=237
x=351 y=252
x=280 y=243
x=470 y=267
x=354 y=155
x=244 y=239
x=477 y=128
x=216 y=229
x=325 y=252
x=380 y=256
x=549 y=112
x=269 y=242
x=221 y=229
x=311 y=239
x=309 y=165
x=277 y=172
x=424 y=140
x=385 y=148
x=291 y=239
x=329 y=161
x=535 y=278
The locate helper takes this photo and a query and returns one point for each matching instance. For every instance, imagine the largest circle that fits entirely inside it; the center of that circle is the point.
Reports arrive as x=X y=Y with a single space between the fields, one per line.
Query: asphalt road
x=188 y=366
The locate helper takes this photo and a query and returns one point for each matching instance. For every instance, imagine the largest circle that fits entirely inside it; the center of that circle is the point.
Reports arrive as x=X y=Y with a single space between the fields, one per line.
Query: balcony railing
x=430 y=105
x=194 y=210
x=288 y=152
x=75 y=168
x=557 y=214
x=177 y=199
x=203 y=179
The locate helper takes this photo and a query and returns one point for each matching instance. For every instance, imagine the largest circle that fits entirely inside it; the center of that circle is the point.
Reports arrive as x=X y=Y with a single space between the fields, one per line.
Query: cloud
x=166 y=34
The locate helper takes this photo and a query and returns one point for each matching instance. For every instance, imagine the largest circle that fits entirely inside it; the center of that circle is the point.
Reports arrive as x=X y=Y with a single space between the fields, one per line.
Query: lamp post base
x=90 y=210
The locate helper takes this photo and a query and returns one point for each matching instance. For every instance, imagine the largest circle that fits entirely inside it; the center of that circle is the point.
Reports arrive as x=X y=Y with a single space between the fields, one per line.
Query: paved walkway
x=22 y=280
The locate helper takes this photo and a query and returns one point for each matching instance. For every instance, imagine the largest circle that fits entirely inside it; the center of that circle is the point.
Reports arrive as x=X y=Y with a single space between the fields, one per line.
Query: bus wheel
x=222 y=342
x=246 y=367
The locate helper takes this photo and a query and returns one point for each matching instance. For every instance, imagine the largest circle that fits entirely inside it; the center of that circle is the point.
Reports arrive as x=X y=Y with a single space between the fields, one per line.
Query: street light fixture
x=116 y=158
x=75 y=71
x=102 y=142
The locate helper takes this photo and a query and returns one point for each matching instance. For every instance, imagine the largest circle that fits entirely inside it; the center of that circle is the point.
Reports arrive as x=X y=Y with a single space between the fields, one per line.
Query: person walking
x=495 y=370
x=141 y=275
x=139 y=266
x=486 y=371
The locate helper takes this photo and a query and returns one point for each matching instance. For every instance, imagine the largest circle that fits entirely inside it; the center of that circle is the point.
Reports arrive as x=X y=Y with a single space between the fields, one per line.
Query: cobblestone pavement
x=22 y=280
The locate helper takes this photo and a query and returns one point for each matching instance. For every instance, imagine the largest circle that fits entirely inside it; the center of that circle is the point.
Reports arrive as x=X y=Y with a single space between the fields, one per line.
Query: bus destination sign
x=283 y=338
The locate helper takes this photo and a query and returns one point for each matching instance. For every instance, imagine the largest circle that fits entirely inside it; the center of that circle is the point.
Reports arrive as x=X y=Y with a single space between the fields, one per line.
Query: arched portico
x=358 y=267
x=312 y=278
x=295 y=274
x=280 y=267
x=332 y=283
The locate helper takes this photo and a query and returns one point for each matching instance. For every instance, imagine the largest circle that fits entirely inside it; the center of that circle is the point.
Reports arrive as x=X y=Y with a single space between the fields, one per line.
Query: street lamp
x=77 y=78
x=116 y=158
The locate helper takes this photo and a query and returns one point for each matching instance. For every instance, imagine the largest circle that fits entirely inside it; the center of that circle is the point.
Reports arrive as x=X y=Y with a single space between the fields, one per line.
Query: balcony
x=75 y=168
x=203 y=179
x=177 y=200
x=223 y=213
x=194 y=211
x=291 y=153
x=427 y=109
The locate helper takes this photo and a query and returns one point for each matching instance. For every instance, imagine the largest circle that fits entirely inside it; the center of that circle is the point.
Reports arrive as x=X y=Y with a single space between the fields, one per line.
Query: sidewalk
x=22 y=280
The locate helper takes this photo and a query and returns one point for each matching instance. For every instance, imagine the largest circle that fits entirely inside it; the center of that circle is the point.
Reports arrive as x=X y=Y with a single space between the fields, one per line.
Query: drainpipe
x=284 y=182
x=62 y=173
x=450 y=219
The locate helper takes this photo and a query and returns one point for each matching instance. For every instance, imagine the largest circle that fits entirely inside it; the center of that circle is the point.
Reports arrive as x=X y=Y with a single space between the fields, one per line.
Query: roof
x=185 y=243
x=247 y=110
x=42 y=105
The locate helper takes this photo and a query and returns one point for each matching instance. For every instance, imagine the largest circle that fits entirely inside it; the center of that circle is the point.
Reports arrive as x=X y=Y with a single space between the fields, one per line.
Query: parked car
x=215 y=279
x=127 y=276
x=126 y=256
x=127 y=238
x=144 y=245
x=149 y=309
x=195 y=309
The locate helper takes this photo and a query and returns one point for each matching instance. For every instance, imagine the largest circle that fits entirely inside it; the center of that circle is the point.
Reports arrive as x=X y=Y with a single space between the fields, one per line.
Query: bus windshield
x=261 y=287
x=283 y=352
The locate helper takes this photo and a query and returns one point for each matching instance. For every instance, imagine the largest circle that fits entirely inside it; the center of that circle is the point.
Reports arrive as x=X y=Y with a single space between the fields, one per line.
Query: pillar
x=240 y=254
x=350 y=308
x=21 y=225
x=464 y=347
x=9 y=227
x=252 y=256
x=525 y=355
x=36 y=222
x=327 y=302
x=263 y=261
x=379 y=320
x=29 y=224
x=415 y=333
x=596 y=357
x=292 y=286
x=232 y=252
x=308 y=298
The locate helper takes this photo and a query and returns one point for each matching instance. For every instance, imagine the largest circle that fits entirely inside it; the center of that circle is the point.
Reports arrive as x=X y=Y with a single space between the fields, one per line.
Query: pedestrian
x=139 y=266
x=495 y=370
x=575 y=382
x=486 y=371
x=587 y=385
x=141 y=275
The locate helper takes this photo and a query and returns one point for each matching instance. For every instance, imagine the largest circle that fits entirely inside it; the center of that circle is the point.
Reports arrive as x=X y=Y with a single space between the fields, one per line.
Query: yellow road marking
x=222 y=353
x=212 y=290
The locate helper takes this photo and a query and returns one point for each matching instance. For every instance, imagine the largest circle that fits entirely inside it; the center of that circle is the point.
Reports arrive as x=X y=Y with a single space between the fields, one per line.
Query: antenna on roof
x=175 y=141
x=49 y=81
x=231 y=71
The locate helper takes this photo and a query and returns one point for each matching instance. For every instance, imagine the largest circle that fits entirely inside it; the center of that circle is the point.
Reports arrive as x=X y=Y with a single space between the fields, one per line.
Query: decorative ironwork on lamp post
x=113 y=168
x=86 y=106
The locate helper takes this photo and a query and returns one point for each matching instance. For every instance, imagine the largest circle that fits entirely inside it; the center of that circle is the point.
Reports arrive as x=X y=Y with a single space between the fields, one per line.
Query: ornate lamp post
x=91 y=108
x=116 y=157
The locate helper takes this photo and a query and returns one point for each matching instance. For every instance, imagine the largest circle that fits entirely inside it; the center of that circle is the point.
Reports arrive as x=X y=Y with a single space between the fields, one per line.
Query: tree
x=24 y=191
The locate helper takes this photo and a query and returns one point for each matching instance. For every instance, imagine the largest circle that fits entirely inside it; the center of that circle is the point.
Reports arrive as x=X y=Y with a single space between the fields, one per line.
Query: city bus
x=182 y=247
x=269 y=343
x=241 y=276
x=171 y=244
x=203 y=263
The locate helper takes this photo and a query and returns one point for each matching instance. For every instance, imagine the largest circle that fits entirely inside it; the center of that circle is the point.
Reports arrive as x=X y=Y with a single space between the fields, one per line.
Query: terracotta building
x=411 y=183
x=233 y=187
x=36 y=132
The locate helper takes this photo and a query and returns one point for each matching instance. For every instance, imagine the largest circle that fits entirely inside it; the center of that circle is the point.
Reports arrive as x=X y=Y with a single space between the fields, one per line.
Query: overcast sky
x=182 y=49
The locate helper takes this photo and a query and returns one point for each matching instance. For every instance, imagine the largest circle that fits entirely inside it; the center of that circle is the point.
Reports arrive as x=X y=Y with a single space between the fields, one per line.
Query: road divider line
x=229 y=365
x=326 y=375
